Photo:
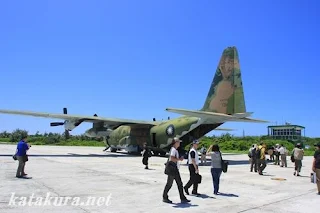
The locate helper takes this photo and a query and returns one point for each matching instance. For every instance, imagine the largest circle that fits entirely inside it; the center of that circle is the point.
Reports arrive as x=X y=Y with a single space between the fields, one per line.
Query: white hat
x=176 y=139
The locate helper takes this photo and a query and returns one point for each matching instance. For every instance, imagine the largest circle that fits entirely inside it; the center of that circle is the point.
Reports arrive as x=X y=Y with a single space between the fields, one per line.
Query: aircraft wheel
x=113 y=150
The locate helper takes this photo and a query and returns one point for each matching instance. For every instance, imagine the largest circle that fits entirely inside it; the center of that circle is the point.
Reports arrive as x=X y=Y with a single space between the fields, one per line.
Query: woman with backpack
x=297 y=154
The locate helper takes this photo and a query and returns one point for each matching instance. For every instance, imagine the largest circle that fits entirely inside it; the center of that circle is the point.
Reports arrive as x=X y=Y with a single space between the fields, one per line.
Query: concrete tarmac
x=117 y=182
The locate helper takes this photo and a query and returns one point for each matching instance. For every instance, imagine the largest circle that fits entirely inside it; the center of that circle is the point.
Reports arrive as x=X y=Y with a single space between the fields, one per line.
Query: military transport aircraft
x=225 y=102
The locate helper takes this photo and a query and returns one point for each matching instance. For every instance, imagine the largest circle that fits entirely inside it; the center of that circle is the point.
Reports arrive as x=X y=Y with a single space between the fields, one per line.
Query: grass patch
x=227 y=143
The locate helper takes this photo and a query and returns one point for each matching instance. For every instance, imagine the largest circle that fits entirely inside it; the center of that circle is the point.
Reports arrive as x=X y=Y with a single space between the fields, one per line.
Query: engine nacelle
x=69 y=125
x=101 y=132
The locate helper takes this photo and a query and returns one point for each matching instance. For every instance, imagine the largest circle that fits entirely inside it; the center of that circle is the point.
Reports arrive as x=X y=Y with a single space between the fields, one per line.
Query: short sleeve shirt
x=22 y=148
x=174 y=153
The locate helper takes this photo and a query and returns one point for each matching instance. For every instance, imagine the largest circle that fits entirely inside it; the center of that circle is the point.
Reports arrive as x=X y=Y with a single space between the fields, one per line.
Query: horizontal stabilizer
x=242 y=115
x=213 y=117
x=224 y=129
x=253 y=120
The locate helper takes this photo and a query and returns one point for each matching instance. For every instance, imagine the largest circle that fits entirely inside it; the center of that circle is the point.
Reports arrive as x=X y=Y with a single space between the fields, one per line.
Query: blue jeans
x=216 y=173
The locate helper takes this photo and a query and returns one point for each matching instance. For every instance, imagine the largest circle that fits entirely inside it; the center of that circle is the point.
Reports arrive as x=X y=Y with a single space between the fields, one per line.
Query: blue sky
x=132 y=59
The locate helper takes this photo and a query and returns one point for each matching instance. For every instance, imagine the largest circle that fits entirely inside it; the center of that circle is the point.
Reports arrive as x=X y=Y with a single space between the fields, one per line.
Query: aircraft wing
x=112 y=122
x=213 y=117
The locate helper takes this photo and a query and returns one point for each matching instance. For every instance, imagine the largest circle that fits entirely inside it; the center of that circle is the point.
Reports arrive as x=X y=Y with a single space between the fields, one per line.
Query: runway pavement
x=118 y=182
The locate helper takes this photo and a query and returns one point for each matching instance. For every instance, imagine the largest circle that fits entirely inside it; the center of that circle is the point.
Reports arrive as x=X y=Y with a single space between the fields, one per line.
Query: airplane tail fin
x=226 y=91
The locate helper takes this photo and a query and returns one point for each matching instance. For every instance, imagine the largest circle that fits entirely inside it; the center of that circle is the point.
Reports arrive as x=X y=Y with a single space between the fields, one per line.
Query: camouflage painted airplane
x=225 y=102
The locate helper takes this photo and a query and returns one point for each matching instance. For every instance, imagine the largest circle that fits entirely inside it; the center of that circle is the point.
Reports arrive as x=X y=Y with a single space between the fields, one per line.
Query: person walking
x=297 y=153
x=253 y=158
x=174 y=158
x=261 y=154
x=146 y=155
x=193 y=161
x=283 y=156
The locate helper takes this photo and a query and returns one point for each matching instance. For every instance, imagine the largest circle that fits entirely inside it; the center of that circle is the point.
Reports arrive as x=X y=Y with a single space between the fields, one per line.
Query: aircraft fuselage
x=158 y=137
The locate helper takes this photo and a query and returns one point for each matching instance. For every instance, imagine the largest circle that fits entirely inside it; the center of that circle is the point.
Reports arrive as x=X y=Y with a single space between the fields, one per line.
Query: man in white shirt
x=283 y=156
x=193 y=161
x=175 y=158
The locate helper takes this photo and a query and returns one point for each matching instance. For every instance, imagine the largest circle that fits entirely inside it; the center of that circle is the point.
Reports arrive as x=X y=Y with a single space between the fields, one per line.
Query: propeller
x=56 y=123
x=66 y=132
x=65 y=111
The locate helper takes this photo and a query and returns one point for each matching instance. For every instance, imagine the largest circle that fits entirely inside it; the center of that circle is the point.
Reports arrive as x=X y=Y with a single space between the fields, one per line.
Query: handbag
x=224 y=164
x=198 y=178
x=171 y=168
